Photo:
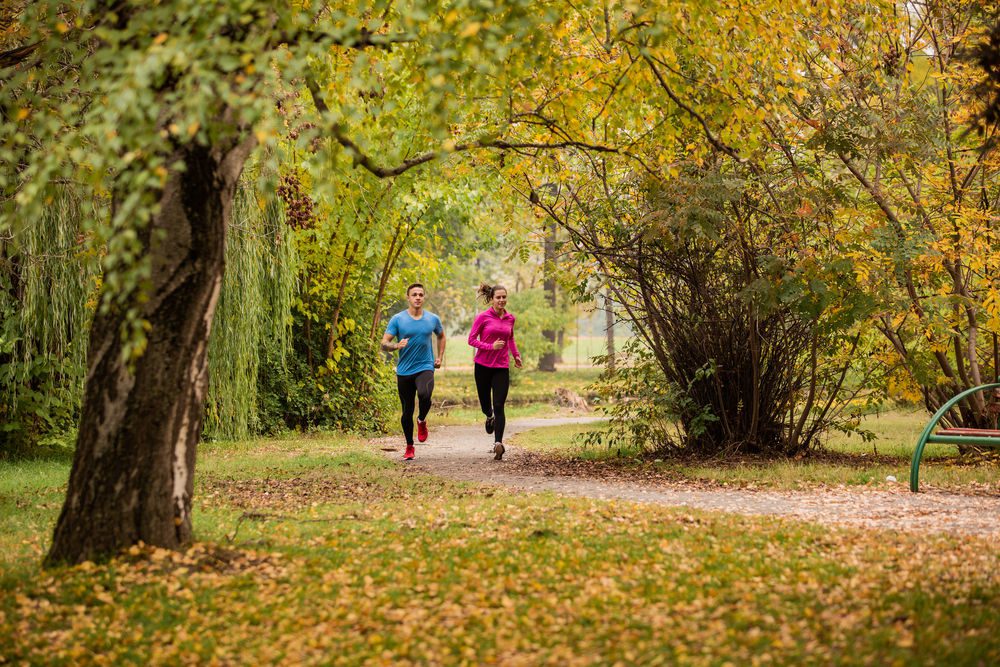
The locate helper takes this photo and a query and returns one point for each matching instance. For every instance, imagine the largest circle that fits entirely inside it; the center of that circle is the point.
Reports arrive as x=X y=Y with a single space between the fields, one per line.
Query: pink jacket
x=488 y=328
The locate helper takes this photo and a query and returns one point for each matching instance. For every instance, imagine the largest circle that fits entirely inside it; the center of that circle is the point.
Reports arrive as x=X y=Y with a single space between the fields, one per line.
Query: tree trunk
x=547 y=361
x=609 y=327
x=133 y=470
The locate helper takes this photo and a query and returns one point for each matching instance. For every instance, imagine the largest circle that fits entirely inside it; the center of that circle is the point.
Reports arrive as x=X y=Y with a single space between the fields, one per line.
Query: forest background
x=796 y=227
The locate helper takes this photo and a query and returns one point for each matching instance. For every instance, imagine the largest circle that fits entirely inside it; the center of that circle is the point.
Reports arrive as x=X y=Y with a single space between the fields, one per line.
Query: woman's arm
x=477 y=329
x=513 y=347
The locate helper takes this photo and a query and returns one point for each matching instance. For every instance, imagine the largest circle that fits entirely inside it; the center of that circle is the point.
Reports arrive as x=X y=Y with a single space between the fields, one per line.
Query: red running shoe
x=421 y=430
x=409 y=453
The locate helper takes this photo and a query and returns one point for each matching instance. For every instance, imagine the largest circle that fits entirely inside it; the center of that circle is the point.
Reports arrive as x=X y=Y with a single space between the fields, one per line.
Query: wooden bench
x=978 y=437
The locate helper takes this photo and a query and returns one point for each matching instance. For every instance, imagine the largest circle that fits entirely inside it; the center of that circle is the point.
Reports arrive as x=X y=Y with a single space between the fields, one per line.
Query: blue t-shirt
x=418 y=355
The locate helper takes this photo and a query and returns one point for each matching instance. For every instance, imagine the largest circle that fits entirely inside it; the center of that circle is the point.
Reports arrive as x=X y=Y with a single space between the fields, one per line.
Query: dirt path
x=461 y=453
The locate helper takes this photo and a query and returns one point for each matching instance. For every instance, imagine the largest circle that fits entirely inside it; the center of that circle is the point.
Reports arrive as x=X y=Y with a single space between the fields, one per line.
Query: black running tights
x=418 y=386
x=495 y=381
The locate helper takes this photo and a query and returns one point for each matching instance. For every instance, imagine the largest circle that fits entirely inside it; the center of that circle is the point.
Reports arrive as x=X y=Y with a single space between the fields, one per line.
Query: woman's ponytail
x=485 y=292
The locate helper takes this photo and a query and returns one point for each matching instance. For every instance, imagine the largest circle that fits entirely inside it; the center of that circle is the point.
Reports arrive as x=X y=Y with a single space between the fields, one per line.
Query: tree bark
x=609 y=327
x=133 y=471
x=547 y=361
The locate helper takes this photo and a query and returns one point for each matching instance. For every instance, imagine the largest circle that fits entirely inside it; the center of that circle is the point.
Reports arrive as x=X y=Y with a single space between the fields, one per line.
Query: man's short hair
x=412 y=286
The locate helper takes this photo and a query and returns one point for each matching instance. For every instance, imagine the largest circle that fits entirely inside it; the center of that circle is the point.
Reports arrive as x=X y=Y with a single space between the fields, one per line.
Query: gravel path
x=461 y=453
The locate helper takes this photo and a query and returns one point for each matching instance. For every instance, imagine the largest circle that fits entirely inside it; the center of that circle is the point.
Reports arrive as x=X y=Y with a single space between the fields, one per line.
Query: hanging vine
x=49 y=276
x=252 y=330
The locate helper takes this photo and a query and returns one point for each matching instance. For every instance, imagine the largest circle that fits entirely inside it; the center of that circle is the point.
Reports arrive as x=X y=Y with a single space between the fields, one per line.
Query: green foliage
x=251 y=333
x=48 y=281
x=529 y=387
x=643 y=407
x=112 y=97
x=535 y=315
x=354 y=391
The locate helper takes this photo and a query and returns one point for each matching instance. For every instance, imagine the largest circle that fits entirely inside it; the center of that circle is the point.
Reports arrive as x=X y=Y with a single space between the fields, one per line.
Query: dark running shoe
x=498 y=450
x=490 y=421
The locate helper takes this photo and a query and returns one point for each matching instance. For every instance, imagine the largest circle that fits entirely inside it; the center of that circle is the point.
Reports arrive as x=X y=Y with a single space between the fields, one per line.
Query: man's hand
x=402 y=343
x=437 y=363
x=498 y=344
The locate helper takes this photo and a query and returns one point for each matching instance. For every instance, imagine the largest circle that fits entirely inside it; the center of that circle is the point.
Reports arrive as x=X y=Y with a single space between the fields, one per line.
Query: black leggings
x=419 y=385
x=496 y=380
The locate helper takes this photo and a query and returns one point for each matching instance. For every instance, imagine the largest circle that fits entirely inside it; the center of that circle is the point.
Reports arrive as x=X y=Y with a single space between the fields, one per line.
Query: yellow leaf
x=159 y=39
x=471 y=29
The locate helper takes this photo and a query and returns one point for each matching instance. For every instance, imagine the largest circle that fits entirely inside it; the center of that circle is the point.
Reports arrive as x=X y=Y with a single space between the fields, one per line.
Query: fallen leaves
x=431 y=572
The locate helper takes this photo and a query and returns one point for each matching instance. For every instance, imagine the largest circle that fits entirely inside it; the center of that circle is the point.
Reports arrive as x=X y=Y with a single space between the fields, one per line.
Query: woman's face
x=500 y=299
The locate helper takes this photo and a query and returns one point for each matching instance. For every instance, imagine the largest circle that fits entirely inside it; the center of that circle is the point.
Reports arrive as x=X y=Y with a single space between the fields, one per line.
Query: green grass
x=458 y=387
x=358 y=559
x=844 y=460
x=472 y=415
x=577 y=353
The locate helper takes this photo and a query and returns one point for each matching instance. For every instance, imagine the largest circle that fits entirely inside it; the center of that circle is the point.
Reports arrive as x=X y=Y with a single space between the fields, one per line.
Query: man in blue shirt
x=415 y=367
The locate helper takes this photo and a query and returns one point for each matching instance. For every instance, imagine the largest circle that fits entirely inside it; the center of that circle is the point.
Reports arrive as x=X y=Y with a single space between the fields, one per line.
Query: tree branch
x=17 y=56
x=363 y=39
x=364 y=160
x=712 y=139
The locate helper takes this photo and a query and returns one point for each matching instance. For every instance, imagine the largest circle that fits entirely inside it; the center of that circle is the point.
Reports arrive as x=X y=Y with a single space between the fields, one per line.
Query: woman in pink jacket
x=493 y=337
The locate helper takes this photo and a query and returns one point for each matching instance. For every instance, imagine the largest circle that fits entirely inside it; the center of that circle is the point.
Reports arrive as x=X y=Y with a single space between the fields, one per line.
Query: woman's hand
x=517 y=362
x=498 y=344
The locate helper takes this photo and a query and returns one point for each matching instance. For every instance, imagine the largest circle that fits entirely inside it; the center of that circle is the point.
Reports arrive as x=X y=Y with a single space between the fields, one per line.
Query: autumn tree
x=855 y=110
x=880 y=111
x=160 y=106
x=698 y=227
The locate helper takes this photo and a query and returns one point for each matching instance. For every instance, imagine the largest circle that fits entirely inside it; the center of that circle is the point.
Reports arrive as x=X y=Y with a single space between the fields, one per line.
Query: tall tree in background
x=547 y=362
x=609 y=328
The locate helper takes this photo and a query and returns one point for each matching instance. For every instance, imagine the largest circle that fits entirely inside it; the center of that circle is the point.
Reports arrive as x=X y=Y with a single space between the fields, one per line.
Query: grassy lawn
x=577 y=353
x=458 y=387
x=845 y=460
x=350 y=558
x=472 y=415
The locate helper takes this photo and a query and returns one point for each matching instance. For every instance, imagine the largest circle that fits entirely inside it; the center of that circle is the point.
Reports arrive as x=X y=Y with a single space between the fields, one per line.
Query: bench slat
x=983 y=432
x=964 y=440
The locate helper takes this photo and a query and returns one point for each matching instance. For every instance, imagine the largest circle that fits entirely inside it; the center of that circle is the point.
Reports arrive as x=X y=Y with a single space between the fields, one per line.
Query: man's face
x=416 y=297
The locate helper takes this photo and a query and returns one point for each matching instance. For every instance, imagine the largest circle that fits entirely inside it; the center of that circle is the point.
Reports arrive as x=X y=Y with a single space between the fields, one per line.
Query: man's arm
x=389 y=346
x=442 y=340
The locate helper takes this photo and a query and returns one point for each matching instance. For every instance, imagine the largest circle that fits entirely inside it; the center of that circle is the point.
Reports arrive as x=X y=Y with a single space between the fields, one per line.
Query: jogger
x=417 y=361
x=492 y=335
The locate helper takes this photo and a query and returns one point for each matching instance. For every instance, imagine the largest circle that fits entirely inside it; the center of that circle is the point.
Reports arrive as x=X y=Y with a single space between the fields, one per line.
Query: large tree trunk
x=133 y=471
